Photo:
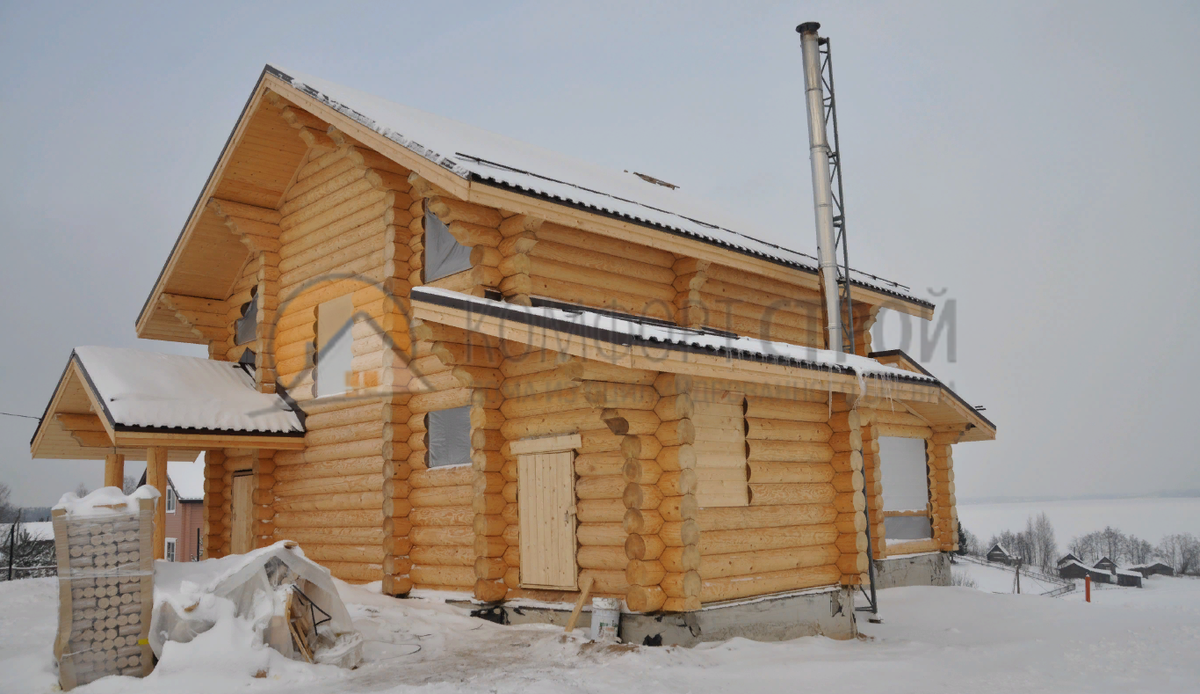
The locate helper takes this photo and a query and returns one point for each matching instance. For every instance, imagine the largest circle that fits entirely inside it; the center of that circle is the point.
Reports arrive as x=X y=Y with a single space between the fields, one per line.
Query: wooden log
x=902 y=431
x=789 y=473
x=607 y=557
x=644 y=547
x=758 y=407
x=645 y=598
x=730 y=541
x=457 y=576
x=788 y=451
x=768 y=560
x=443 y=535
x=601 y=534
x=717 y=589
x=611 y=510
x=785 y=430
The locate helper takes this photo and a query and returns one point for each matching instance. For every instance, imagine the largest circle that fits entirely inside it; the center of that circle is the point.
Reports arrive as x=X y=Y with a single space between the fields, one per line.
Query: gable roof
x=470 y=163
x=475 y=154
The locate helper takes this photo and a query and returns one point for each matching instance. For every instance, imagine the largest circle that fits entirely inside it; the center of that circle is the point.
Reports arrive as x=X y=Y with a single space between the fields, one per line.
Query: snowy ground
x=1000 y=579
x=933 y=640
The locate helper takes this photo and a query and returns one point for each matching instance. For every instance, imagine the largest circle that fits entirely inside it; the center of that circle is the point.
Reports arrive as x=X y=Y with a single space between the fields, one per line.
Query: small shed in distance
x=1153 y=569
x=1066 y=559
x=1106 y=564
x=999 y=555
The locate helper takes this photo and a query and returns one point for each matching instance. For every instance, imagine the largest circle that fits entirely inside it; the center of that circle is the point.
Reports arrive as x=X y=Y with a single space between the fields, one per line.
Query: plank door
x=241 y=539
x=546 y=503
x=718 y=416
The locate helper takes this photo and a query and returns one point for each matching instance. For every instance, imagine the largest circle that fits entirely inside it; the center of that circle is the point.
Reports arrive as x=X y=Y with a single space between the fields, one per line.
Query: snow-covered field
x=1148 y=518
x=932 y=640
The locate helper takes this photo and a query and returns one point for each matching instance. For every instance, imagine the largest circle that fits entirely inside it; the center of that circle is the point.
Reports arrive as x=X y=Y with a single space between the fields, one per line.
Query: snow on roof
x=472 y=152
x=999 y=547
x=609 y=327
x=1127 y=572
x=39 y=531
x=149 y=389
x=187 y=479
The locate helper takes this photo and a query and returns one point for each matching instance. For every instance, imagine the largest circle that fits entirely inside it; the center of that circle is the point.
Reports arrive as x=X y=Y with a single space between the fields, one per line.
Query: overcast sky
x=1039 y=163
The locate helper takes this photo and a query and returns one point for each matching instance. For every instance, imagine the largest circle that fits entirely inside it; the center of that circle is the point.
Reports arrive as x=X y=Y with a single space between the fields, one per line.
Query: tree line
x=1036 y=546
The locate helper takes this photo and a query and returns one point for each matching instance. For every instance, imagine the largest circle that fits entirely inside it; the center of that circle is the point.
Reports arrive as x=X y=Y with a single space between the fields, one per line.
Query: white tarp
x=444 y=255
x=450 y=437
x=191 y=598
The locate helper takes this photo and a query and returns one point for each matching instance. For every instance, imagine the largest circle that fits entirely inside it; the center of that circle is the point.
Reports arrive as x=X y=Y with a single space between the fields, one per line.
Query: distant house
x=1127 y=578
x=1078 y=570
x=1153 y=569
x=185 y=510
x=999 y=555
x=1106 y=564
x=1066 y=559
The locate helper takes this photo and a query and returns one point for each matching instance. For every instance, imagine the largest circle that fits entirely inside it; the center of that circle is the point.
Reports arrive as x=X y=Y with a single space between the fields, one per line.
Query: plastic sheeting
x=444 y=255
x=907 y=528
x=450 y=437
x=905 y=479
x=258 y=585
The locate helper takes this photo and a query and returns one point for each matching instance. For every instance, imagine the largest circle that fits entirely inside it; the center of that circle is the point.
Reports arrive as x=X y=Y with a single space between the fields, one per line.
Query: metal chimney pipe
x=818 y=146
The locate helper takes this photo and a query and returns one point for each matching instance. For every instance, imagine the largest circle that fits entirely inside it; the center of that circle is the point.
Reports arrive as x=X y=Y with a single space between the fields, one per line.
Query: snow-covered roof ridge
x=599 y=324
x=475 y=153
x=145 y=389
x=187 y=479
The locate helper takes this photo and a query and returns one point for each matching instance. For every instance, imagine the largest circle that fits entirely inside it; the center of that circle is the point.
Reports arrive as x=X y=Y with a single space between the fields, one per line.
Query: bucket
x=606 y=618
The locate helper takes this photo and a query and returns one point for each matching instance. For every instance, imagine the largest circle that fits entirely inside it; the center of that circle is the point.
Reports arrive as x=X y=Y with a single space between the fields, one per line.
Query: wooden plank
x=545 y=444
x=241 y=538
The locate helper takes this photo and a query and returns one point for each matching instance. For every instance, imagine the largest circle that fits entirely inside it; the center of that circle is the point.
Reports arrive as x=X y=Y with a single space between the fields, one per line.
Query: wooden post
x=1087 y=587
x=114 y=470
x=156 y=476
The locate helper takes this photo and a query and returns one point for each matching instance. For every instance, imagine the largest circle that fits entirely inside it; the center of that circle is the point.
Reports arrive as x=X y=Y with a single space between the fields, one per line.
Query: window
x=333 y=358
x=449 y=437
x=444 y=255
x=905 y=479
x=169 y=554
x=246 y=327
x=170 y=500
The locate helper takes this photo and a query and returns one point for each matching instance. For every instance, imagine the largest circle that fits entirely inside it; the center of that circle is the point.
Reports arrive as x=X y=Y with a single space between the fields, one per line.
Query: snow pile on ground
x=932 y=640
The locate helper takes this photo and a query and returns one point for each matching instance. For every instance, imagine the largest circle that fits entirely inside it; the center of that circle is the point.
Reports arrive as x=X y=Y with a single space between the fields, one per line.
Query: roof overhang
x=189 y=270
x=930 y=399
x=77 y=425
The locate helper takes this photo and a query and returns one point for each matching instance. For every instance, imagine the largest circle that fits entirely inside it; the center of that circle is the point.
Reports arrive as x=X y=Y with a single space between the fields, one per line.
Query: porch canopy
x=114 y=403
x=647 y=343
x=124 y=401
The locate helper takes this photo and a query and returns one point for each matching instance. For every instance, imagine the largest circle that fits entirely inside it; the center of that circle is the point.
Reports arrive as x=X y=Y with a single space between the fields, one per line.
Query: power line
x=23 y=416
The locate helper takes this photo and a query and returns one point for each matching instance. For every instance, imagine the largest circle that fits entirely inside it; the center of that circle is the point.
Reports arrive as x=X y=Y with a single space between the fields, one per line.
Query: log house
x=511 y=372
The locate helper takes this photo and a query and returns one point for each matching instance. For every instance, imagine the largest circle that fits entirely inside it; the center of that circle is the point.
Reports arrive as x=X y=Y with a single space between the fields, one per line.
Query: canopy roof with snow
x=462 y=159
x=113 y=399
x=623 y=339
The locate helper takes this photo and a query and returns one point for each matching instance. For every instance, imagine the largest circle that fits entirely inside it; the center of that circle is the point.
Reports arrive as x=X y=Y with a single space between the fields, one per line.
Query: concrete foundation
x=931 y=569
x=769 y=618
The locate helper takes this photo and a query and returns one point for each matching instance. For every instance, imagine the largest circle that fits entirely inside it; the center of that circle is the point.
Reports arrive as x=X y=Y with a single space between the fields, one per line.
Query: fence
x=1064 y=585
x=23 y=556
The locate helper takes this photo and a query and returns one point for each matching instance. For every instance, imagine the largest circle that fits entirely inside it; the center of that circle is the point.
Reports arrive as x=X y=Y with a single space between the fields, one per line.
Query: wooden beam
x=80 y=422
x=114 y=470
x=202 y=442
x=156 y=476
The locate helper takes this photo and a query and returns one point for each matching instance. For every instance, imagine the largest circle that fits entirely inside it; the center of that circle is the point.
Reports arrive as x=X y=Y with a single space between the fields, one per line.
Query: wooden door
x=241 y=538
x=546 y=503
